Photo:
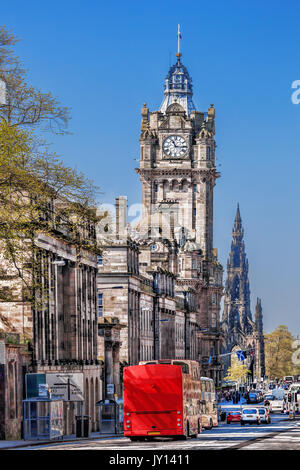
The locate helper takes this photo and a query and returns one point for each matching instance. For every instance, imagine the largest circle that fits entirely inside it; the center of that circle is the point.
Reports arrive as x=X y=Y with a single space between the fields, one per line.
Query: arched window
x=184 y=185
x=165 y=188
x=175 y=185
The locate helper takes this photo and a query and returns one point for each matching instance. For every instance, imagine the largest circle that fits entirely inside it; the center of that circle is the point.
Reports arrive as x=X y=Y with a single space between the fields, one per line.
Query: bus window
x=184 y=366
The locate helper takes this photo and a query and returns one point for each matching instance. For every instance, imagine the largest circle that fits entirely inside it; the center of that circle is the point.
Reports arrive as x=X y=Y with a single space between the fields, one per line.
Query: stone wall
x=14 y=362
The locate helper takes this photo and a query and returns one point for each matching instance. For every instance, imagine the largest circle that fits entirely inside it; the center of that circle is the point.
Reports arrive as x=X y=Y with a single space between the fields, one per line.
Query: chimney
x=121 y=216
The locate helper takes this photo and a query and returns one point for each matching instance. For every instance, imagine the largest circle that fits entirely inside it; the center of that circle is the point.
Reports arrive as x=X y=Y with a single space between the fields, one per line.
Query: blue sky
x=104 y=60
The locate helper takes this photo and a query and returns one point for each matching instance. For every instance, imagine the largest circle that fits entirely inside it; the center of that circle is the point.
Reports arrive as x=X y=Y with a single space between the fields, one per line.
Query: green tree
x=25 y=105
x=38 y=192
x=278 y=352
x=237 y=372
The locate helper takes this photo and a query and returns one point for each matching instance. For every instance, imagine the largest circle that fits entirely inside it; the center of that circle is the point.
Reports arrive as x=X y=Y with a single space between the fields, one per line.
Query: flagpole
x=178 y=54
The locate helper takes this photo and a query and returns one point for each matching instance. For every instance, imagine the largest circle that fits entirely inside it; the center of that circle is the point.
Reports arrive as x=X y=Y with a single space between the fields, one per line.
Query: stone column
x=116 y=368
x=108 y=366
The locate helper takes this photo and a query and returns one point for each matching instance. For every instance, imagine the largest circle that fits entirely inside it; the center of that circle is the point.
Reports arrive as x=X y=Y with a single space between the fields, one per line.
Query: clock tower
x=178 y=174
x=177 y=165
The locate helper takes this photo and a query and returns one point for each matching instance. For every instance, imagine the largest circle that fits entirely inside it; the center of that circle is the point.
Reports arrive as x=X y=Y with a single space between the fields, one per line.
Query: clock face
x=175 y=146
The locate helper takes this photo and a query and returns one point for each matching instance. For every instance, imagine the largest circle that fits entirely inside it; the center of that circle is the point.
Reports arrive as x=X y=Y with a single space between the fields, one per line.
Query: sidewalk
x=6 y=445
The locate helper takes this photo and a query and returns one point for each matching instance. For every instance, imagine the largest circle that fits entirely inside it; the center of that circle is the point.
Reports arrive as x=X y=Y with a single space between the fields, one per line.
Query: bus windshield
x=184 y=366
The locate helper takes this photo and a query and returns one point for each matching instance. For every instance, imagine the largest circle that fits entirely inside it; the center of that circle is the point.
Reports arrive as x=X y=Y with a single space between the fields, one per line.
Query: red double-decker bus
x=162 y=398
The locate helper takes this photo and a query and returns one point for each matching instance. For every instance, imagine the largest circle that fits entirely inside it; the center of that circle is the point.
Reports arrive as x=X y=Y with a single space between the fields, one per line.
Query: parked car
x=250 y=415
x=233 y=417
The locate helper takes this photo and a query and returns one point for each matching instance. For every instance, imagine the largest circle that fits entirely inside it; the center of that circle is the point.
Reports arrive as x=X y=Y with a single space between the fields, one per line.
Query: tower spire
x=238 y=231
x=178 y=84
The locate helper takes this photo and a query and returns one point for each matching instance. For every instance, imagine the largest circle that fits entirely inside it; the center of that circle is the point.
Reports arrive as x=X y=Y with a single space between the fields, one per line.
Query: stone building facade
x=169 y=291
x=241 y=332
x=15 y=359
x=146 y=303
x=61 y=325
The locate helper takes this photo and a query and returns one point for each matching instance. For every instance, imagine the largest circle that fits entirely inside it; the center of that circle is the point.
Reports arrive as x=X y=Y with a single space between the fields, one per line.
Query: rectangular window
x=100 y=305
x=208 y=153
x=194 y=188
x=99 y=260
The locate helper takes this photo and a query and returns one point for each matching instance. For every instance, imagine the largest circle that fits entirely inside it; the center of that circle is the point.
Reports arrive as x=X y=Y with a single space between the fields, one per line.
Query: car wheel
x=242 y=423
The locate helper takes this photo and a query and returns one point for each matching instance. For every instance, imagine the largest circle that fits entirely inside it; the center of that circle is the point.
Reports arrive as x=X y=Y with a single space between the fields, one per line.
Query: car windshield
x=262 y=412
x=249 y=411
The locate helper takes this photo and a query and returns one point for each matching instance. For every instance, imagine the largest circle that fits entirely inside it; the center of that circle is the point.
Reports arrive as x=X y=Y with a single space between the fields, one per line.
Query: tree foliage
x=237 y=372
x=25 y=105
x=278 y=352
x=38 y=193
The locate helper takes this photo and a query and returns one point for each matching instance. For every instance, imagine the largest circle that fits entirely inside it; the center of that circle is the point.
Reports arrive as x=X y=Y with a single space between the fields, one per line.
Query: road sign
x=67 y=387
x=43 y=391
x=110 y=388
